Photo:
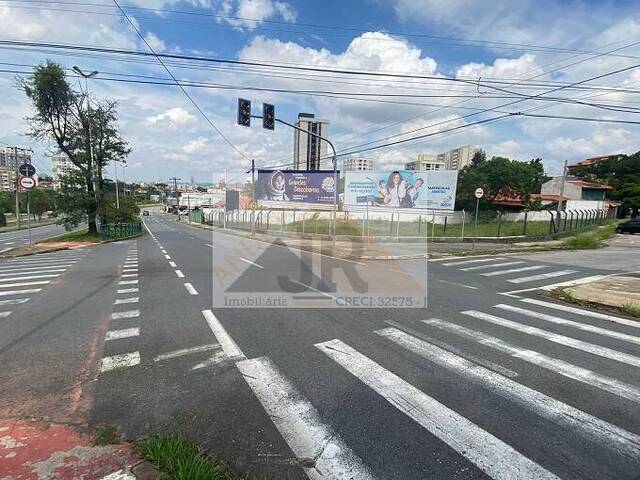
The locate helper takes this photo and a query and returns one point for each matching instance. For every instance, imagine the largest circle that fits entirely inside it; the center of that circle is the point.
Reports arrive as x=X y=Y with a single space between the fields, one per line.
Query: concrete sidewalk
x=613 y=291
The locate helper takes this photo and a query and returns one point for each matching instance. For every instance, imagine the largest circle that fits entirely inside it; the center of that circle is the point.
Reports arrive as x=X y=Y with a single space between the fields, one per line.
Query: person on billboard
x=382 y=192
x=275 y=188
x=396 y=190
x=413 y=193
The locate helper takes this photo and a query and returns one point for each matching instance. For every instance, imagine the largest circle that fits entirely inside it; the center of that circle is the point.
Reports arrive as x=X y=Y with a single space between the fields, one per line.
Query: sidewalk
x=614 y=291
x=35 y=450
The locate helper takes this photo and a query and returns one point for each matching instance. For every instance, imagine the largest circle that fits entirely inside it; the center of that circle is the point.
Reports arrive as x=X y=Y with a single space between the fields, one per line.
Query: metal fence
x=120 y=230
x=434 y=225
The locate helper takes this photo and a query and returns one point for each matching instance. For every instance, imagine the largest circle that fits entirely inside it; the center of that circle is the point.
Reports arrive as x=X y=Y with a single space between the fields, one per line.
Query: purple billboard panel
x=297 y=186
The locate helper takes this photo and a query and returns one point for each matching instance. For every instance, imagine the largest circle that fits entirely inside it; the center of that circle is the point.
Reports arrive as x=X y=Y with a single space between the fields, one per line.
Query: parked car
x=630 y=226
x=145 y=213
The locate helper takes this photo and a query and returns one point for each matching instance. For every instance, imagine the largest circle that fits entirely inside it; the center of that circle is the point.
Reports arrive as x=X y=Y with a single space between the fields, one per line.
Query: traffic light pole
x=335 y=172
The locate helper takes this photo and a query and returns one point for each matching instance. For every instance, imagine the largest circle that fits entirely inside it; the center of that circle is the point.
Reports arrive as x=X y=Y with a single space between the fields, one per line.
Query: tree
x=479 y=157
x=499 y=177
x=85 y=132
x=42 y=201
x=622 y=172
x=127 y=213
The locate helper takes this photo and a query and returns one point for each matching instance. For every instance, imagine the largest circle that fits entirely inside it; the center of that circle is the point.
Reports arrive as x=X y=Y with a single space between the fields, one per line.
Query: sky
x=444 y=62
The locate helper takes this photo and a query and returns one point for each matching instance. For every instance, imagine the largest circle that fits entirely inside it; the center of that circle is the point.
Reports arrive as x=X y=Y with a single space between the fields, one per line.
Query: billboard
x=300 y=186
x=433 y=189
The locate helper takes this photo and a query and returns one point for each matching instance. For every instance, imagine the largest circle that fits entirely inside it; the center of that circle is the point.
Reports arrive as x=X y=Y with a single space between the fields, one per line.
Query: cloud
x=196 y=146
x=176 y=116
x=525 y=66
x=154 y=42
x=250 y=13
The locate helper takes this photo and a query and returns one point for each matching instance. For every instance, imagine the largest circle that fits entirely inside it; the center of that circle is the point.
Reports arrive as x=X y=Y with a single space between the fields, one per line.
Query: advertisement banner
x=432 y=189
x=300 y=186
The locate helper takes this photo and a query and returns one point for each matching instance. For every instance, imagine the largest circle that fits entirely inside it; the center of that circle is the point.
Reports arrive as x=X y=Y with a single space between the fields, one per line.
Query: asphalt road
x=17 y=238
x=492 y=380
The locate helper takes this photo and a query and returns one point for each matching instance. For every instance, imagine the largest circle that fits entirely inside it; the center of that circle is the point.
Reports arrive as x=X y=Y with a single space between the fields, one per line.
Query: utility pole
x=115 y=166
x=15 y=159
x=175 y=192
x=561 y=199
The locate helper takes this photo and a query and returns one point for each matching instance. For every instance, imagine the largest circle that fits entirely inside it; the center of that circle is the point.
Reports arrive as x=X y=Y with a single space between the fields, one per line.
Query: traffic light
x=268 y=116
x=244 y=112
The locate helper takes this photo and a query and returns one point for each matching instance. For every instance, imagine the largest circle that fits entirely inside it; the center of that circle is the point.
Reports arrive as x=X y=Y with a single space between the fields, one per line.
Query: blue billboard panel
x=299 y=186
x=432 y=189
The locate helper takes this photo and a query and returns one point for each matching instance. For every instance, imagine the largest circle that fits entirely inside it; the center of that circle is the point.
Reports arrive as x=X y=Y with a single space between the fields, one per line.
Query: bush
x=3 y=219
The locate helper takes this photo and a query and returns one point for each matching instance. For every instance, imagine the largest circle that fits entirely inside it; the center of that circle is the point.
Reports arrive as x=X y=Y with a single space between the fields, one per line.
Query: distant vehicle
x=630 y=226
x=145 y=213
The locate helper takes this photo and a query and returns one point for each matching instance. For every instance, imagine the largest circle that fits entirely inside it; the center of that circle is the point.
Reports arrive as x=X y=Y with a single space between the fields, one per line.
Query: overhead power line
x=195 y=104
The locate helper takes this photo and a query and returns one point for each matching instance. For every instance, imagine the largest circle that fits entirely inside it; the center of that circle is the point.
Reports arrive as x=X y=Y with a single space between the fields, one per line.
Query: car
x=630 y=226
x=145 y=213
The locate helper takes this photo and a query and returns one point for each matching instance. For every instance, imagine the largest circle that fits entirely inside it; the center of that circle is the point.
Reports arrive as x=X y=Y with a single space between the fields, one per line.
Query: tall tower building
x=309 y=149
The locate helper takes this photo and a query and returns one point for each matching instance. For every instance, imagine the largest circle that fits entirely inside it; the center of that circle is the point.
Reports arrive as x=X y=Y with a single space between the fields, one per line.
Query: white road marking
x=128 y=290
x=127 y=314
x=190 y=289
x=242 y=259
x=492 y=265
x=29 y=277
x=4 y=314
x=179 y=274
x=129 y=275
x=14 y=301
x=49 y=263
x=513 y=270
x=24 y=284
x=458 y=284
x=172 y=264
x=553 y=286
x=300 y=424
x=467 y=262
x=229 y=347
x=5 y=250
x=580 y=311
x=566 y=369
x=186 y=351
x=120 y=301
x=560 y=339
x=543 y=276
x=167 y=257
x=128 y=270
x=570 y=323
x=128 y=282
x=564 y=415
x=218 y=357
x=20 y=292
x=120 y=361
x=209 y=245
x=123 y=333
x=54 y=268
x=488 y=453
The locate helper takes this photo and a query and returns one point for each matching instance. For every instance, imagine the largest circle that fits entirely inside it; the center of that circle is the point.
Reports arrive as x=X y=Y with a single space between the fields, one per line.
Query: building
x=575 y=189
x=426 y=161
x=458 y=158
x=309 y=149
x=60 y=166
x=10 y=160
x=357 y=164
x=575 y=168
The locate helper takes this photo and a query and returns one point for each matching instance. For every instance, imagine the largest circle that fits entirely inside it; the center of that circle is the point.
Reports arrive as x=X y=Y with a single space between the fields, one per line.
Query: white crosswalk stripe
x=492 y=265
x=119 y=361
x=608 y=384
x=570 y=323
x=468 y=262
x=490 y=454
x=543 y=276
x=581 y=311
x=588 y=426
x=556 y=338
x=513 y=270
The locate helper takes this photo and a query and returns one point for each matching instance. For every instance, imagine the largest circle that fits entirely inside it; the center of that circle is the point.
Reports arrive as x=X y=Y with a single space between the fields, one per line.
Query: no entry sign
x=27 y=183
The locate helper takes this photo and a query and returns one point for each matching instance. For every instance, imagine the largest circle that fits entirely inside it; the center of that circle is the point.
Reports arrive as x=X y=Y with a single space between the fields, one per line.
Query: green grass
x=107 y=435
x=631 y=309
x=592 y=239
x=78 y=236
x=179 y=459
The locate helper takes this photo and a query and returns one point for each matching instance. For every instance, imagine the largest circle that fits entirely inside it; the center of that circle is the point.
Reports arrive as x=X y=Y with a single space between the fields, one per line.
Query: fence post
x=433 y=226
x=419 y=224
x=499 y=223
x=391 y=225
x=282 y=225
x=397 y=228
x=444 y=233
x=464 y=217
x=303 y=219
x=552 y=223
x=524 y=227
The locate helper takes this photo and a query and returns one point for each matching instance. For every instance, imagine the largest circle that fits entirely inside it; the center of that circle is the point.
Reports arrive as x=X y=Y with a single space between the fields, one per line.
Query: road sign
x=479 y=193
x=27 y=183
x=27 y=170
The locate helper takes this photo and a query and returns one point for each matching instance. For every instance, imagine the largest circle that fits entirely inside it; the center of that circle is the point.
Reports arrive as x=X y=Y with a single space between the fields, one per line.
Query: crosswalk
x=23 y=277
x=511 y=270
x=310 y=433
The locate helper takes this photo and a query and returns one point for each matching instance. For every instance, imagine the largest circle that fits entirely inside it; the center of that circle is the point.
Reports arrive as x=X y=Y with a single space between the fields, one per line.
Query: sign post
x=28 y=183
x=479 y=193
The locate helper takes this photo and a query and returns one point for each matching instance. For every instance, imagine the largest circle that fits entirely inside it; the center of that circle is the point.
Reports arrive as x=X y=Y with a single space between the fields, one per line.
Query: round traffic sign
x=27 y=170
x=27 y=183
x=479 y=193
